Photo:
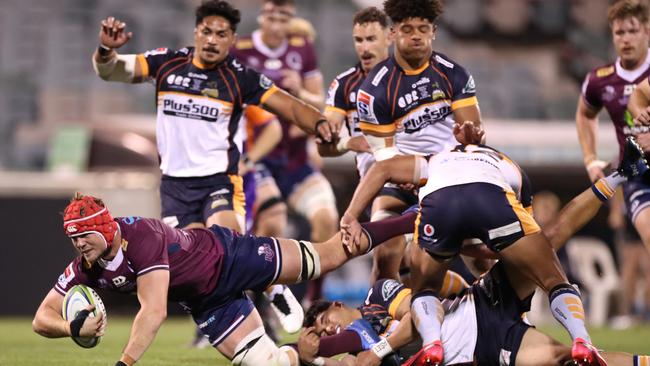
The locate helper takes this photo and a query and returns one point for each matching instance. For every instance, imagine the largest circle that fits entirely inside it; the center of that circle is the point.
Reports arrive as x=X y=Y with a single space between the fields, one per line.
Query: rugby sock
x=567 y=309
x=605 y=187
x=427 y=313
x=382 y=230
x=640 y=360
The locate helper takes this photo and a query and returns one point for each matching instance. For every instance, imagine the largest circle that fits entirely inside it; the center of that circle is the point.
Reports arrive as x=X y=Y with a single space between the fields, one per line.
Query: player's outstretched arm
x=470 y=115
x=295 y=111
x=152 y=295
x=107 y=63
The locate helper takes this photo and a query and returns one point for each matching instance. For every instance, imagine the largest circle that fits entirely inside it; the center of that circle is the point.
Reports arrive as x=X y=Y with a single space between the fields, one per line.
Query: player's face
x=332 y=321
x=212 y=39
x=414 y=38
x=91 y=246
x=630 y=40
x=274 y=23
x=371 y=43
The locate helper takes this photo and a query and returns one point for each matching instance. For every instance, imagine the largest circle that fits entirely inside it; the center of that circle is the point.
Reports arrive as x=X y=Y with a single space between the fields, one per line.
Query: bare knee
x=272 y=221
x=324 y=224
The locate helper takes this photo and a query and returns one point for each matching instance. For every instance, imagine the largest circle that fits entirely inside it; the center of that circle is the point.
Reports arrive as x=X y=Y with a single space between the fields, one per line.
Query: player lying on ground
x=482 y=325
x=206 y=270
x=472 y=192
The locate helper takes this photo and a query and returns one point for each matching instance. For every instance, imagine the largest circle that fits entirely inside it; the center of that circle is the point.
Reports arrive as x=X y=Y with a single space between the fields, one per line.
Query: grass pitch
x=20 y=346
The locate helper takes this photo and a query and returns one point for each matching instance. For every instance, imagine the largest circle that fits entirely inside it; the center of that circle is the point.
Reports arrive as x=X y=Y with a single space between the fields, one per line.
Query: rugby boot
x=430 y=355
x=584 y=353
x=633 y=163
x=288 y=310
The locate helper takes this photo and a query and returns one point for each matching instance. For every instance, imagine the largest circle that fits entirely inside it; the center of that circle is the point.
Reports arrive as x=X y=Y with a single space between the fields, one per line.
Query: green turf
x=20 y=346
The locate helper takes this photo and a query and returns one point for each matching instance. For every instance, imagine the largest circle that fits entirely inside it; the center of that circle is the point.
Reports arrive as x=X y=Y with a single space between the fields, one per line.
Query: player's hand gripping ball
x=76 y=303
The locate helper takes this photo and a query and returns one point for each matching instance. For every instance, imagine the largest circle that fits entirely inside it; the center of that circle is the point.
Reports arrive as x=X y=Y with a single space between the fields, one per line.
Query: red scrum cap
x=86 y=214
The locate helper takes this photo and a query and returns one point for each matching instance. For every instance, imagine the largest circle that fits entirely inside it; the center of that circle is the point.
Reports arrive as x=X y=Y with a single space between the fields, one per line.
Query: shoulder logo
x=444 y=62
x=379 y=76
x=331 y=92
x=297 y=41
x=244 y=44
x=605 y=71
x=364 y=107
x=470 y=87
x=346 y=72
x=66 y=276
x=389 y=288
x=157 y=51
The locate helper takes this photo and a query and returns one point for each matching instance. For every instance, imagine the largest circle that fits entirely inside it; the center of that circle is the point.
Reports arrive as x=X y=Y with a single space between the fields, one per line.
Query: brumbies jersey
x=342 y=99
x=381 y=304
x=610 y=87
x=193 y=258
x=474 y=164
x=297 y=54
x=416 y=105
x=199 y=110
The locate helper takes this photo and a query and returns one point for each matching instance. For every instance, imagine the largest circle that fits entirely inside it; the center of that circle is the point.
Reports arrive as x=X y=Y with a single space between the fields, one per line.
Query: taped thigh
x=258 y=349
x=309 y=261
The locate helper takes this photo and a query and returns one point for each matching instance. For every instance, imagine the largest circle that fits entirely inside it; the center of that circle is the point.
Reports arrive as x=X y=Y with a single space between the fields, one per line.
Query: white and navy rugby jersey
x=475 y=164
x=342 y=99
x=198 y=110
x=416 y=105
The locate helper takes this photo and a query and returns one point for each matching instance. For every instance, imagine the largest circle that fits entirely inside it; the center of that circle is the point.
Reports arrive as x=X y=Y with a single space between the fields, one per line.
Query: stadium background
x=63 y=129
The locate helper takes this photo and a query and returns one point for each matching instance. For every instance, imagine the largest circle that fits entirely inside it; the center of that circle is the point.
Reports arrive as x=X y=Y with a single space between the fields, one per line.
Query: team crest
x=265 y=82
x=266 y=251
x=212 y=93
x=470 y=87
x=389 y=288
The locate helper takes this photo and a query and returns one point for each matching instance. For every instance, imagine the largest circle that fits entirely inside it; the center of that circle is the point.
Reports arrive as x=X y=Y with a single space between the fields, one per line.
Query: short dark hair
x=369 y=15
x=316 y=308
x=281 y=2
x=218 y=8
x=400 y=10
x=622 y=9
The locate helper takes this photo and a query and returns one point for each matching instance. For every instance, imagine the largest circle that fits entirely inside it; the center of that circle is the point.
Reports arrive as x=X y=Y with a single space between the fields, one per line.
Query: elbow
x=39 y=327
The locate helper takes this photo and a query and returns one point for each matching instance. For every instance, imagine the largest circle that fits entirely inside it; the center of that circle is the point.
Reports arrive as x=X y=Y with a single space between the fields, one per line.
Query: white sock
x=567 y=309
x=427 y=313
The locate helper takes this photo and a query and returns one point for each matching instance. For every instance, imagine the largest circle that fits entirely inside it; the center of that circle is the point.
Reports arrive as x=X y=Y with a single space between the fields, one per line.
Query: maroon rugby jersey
x=610 y=87
x=297 y=54
x=193 y=258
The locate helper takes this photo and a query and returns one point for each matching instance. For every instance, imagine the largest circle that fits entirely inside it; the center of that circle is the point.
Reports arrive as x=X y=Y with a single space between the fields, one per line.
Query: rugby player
x=410 y=103
x=201 y=268
x=611 y=87
x=201 y=92
x=474 y=330
x=469 y=192
x=286 y=175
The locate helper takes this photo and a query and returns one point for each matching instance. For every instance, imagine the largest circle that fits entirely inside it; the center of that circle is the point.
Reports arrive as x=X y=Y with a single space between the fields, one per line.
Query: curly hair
x=400 y=10
x=370 y=15
x=218 y=8
x=628 y=8
x=316 y=308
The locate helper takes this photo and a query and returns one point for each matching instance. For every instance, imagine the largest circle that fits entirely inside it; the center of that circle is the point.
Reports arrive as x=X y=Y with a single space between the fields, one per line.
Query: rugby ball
x=77 y=299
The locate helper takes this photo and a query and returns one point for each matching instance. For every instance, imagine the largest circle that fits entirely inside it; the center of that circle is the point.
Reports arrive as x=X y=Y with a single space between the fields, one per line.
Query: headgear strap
x=84 y=216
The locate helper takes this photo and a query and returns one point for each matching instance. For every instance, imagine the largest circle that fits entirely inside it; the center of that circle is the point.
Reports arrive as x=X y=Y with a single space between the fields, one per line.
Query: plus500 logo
x=190 y=110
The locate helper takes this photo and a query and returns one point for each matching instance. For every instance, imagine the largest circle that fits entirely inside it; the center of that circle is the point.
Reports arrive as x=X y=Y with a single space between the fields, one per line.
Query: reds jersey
x=296 y=54
x=610 y=87
x=193 y=258
x=473 y=164
x=198 y=110
x=415 y=105
x=342 y=99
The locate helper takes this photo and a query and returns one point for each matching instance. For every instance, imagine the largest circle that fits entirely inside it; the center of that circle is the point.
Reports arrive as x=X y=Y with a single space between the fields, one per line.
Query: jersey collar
x=264 y=49
x=632 y=75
